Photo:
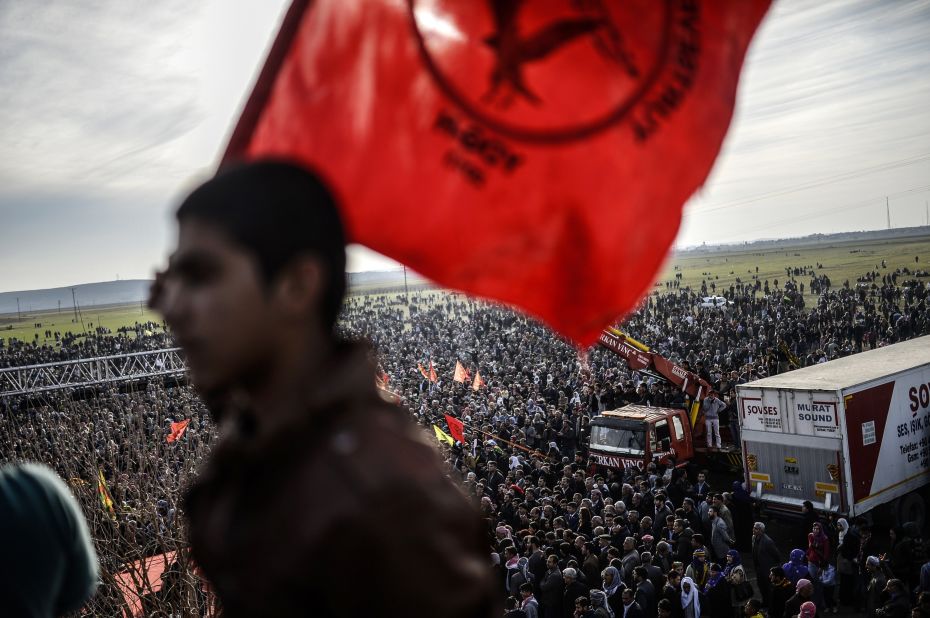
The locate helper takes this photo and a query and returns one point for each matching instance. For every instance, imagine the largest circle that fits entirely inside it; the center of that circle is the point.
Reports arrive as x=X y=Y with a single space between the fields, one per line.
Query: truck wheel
x=911 y=508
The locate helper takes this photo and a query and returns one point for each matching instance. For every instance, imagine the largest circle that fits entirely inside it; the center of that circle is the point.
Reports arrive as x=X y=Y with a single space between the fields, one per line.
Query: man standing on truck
x=712 y=408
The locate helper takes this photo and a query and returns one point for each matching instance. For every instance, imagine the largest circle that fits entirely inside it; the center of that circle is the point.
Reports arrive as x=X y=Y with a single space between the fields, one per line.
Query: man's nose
x=170 y=302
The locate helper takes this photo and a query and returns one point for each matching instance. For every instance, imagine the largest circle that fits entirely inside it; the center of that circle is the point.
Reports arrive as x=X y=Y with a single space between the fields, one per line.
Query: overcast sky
x=112 y=110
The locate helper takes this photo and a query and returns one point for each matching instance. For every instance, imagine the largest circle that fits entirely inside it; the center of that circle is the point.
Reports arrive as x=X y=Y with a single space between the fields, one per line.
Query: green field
x=840 y=261
x=109 y=317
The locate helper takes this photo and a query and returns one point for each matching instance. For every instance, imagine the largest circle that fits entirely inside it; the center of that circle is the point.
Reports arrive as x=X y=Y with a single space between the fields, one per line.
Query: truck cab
x=634 y=436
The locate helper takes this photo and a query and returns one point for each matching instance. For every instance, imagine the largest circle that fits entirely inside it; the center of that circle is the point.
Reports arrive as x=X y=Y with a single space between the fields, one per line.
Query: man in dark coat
x=631 y=609
x=552 y=589
x=645 y=592
x=765 y=555
x=313 y=468
x=672 y=592
x=536 y=564
x=591 y=566
x=655 y=574
x=898 y=605
x=780 y=591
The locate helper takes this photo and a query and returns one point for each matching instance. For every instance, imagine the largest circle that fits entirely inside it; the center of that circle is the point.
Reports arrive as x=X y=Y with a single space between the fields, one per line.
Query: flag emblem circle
x=544 y=72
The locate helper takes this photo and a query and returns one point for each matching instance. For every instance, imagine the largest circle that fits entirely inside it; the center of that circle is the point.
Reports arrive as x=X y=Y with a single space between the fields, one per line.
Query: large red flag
x=177 y=430
x=574 y=131
x=456 y=428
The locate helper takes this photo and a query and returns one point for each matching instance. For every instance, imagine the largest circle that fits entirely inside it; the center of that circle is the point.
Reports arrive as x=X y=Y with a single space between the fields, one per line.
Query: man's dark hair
x=526 y=587
x=777 y=571
x=277 y=211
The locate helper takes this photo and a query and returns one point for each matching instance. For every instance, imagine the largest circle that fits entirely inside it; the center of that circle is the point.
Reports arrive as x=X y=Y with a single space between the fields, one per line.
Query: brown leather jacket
x=345 y=511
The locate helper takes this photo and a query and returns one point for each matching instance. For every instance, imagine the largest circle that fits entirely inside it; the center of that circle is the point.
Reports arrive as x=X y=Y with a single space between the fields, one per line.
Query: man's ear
x=299 y=288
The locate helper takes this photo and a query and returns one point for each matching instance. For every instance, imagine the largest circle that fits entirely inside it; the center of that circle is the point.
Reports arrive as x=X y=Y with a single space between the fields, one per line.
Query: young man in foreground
x=320 y=498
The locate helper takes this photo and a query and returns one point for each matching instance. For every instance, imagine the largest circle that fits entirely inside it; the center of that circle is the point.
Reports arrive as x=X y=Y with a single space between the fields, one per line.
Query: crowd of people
x=119 y=435
x=569 y=542
x=564 y=539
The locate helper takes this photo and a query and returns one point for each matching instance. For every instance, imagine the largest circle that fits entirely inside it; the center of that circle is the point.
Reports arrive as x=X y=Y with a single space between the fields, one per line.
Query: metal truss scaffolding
x=91 y=372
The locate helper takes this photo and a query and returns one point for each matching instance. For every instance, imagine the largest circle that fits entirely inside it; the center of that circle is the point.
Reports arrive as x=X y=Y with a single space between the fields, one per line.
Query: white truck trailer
x=851 y=435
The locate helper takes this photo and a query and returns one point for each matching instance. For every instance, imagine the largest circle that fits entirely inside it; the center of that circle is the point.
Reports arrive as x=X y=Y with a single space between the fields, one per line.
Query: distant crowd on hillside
x=55 y=346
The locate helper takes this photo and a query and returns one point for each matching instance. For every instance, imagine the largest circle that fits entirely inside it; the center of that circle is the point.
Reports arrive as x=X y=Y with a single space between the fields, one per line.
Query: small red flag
x=177 y=430
x=574 y=131
x=423 y=371
x=479 y=381
x=456 y=428
x=432 y=373
x=460 y=374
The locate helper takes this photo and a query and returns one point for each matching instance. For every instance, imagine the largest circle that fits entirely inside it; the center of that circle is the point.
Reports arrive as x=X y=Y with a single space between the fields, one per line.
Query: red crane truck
x=634 y=436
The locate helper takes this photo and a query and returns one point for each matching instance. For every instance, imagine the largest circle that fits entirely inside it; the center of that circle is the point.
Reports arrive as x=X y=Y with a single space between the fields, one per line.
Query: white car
x=715 y=302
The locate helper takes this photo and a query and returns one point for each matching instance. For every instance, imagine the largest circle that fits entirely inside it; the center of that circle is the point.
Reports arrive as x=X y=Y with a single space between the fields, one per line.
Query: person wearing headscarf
x=717 y=594
x=795 y=569
x=48 y=566
x=818 y=549
x=519 y=576
x=803 y=592
x=690 y=598
x=808 y=610
x=846 y=553
x=875 y=586
x=740 y=587
x=818 y=559
x=574 y=590
x=613 y=586
x=599 y=604
x=697 y=570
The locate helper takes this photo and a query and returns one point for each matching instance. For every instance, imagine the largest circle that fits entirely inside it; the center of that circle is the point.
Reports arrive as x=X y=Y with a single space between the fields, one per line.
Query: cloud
x=828 y=87
x=112 y=109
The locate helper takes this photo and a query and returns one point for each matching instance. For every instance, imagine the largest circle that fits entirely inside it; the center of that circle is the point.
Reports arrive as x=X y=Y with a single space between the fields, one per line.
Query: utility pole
x=77 y=316
x=19 y=316
x=74 y=304
x=59 y=305
x=406 y=291
x=888 y=212
x=927 y=211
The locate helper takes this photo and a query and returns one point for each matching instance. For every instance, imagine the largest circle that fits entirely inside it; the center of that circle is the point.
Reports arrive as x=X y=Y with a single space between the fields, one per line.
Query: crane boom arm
x=639 y=357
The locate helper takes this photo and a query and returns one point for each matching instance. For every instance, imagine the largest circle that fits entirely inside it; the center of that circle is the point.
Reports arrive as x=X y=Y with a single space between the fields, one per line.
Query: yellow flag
x=443 y=436
x=103 y=491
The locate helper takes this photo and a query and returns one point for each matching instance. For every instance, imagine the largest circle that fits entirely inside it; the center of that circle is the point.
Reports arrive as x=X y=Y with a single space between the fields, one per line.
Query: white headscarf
x=843 y=526
x=687 y=598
